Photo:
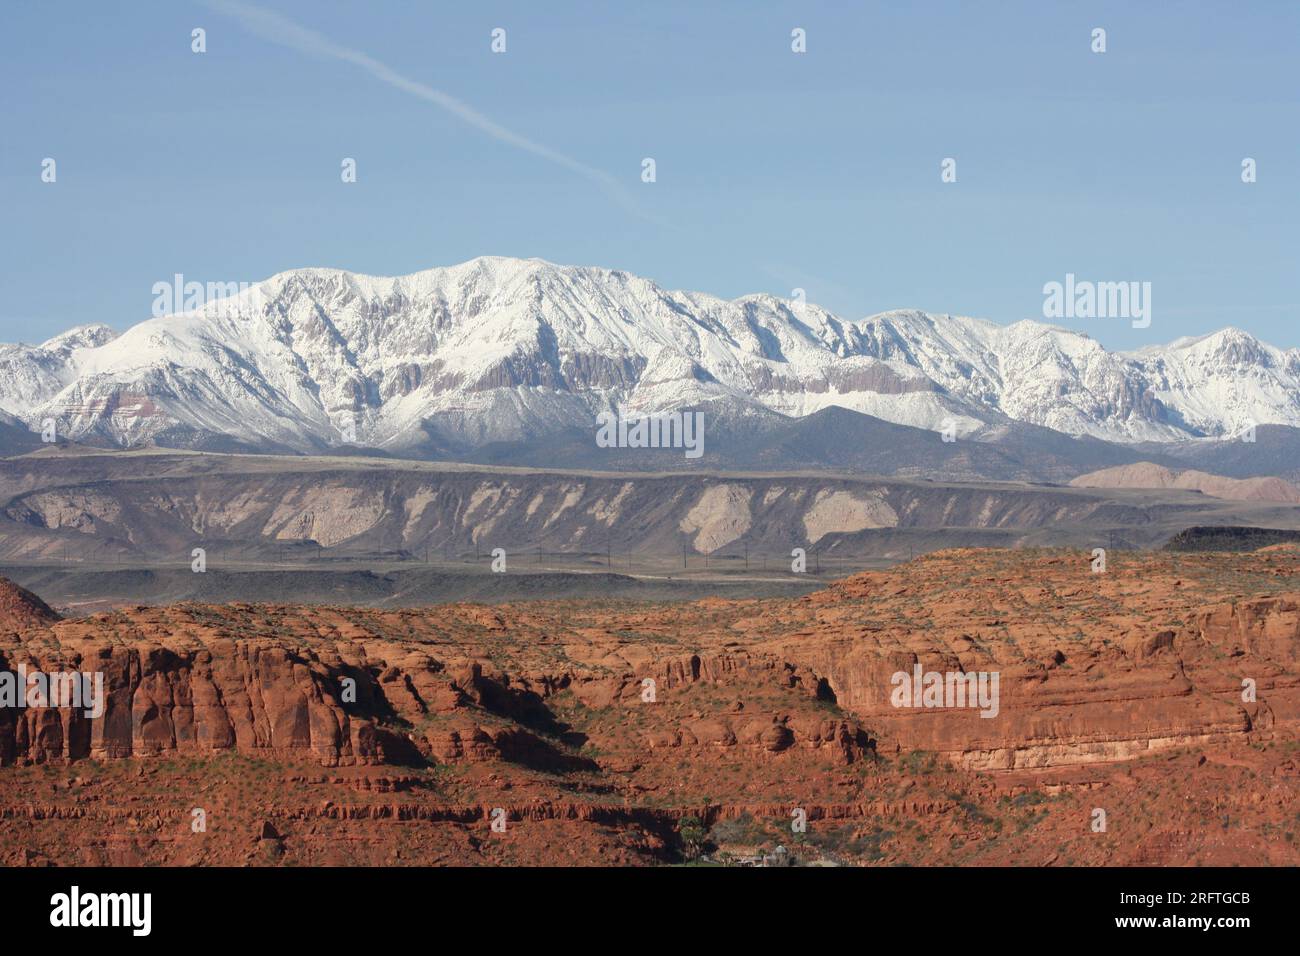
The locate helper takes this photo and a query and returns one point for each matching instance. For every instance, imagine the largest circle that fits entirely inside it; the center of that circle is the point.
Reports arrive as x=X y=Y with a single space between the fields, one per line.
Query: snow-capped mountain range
x=501 y=350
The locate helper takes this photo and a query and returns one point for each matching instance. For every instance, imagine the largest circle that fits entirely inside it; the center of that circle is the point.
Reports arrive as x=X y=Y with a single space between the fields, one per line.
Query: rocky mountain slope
x=498 y=351
x=636 y=733
x=153 y=508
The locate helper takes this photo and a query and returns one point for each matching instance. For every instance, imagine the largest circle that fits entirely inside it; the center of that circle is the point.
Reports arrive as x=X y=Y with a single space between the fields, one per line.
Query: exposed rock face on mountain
x=1118 y=687
x=496 y=350
x=156 y=508
x=194 y=688
x=32 y=375
x=600 y=732
x=1148 y=475
x=1274 y=453
x=1093 y=666
x=21 y=609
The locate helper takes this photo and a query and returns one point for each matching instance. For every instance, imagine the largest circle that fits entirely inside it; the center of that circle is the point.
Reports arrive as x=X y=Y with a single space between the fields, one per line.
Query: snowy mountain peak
x=502 y=349
x=81 y=337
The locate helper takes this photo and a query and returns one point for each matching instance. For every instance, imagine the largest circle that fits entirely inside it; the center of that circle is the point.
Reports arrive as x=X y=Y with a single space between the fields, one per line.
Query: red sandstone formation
x=20 y=609
x=311 y=734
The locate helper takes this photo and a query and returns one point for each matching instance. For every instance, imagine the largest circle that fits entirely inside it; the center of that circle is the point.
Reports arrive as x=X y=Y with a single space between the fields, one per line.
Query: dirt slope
x=1148 y=475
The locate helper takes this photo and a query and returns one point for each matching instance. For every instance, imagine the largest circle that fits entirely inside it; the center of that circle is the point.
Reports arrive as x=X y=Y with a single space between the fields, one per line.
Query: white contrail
x=270 y=25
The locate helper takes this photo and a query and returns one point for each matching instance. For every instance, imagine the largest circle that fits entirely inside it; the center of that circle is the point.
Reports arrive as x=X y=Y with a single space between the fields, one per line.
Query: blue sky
x=774 y=170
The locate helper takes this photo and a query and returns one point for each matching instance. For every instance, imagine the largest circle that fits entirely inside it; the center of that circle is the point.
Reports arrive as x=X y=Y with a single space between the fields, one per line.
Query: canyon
x=1164 y=690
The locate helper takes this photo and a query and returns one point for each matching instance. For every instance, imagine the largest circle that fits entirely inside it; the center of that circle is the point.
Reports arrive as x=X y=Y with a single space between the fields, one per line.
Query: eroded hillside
x=155 y=508
x=637 y=733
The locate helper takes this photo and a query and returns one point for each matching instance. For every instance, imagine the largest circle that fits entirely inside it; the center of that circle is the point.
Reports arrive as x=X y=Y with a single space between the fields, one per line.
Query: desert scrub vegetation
x=1030 y=798
x=851 y=841
x=742 y=830
x=919 y=762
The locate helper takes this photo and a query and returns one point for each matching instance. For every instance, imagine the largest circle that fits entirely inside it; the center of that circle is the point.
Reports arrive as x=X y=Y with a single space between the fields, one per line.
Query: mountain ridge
x=1148 y=475
x=499 y=350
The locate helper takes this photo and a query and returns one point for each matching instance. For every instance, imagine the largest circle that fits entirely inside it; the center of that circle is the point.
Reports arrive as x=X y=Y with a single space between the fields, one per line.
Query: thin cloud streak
x=278 y=29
